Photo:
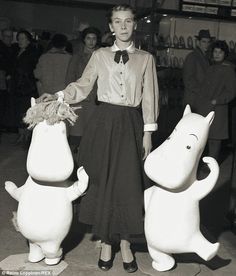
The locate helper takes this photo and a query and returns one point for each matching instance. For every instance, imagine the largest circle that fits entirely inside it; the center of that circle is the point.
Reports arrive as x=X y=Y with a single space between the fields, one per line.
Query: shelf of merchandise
x=217 y=9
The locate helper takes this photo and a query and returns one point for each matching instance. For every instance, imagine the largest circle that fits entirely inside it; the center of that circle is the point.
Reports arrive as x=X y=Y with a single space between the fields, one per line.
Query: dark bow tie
x=124 y=54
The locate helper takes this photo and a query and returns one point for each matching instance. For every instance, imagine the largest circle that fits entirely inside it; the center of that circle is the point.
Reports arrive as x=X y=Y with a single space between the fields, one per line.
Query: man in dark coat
x=195 y=67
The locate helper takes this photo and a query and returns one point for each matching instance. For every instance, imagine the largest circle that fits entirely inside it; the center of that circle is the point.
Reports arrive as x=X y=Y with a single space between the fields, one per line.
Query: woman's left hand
x=147 y=143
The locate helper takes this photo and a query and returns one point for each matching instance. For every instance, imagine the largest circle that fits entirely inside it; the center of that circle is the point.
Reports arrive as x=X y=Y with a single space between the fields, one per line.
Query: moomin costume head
x=49 y=158
x=174 y=163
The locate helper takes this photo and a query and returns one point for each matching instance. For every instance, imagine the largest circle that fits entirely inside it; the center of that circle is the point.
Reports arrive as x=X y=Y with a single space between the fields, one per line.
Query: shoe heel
x=130 y=267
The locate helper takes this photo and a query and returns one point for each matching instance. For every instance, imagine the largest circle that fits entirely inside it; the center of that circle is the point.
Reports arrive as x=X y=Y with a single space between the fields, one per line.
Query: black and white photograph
x=118 y=137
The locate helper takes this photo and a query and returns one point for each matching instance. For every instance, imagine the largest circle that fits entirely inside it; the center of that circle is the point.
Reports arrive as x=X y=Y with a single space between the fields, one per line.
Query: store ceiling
x=143 y=7
x=100 y=4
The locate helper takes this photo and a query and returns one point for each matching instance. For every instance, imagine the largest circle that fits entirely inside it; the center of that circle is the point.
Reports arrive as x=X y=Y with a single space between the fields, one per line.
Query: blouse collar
x=129 y=49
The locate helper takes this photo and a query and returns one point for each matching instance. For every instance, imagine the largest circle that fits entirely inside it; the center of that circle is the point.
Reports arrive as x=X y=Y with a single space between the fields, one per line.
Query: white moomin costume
x=44 y=212
x=172 y=205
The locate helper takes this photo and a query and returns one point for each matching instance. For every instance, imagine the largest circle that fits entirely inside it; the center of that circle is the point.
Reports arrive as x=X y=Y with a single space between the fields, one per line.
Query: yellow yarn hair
x=53 y=112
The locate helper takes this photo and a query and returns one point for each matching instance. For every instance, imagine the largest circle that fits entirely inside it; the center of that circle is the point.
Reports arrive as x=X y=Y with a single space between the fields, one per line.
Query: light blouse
x=131 y=84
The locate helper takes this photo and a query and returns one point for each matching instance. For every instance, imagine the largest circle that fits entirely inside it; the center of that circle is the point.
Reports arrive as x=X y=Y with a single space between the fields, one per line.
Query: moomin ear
x=210 y=117
x=32 y=101
x=187 y=110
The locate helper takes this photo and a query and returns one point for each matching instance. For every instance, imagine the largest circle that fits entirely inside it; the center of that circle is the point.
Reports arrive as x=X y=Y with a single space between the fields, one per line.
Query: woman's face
x=90 y=41
x=218 y=55
x=123 y=25
x=23 y=41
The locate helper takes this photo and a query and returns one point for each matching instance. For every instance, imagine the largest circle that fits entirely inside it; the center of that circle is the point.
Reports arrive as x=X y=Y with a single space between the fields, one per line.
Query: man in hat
x=195 y=66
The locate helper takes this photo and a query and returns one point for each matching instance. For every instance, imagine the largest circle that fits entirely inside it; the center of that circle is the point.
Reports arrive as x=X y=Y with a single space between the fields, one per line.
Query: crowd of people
x=119 y=85
x=210 y=85
x=29 y=68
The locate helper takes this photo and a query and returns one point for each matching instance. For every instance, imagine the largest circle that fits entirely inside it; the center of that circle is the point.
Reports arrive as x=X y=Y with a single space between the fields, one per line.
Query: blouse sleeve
x=150 y=107
x=77 y=91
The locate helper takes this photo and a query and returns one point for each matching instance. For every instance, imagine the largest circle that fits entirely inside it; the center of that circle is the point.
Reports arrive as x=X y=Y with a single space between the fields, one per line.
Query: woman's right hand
x=46 y=98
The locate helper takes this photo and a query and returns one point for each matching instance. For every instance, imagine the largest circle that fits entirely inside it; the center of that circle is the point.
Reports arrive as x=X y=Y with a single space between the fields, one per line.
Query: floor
x=81 y=252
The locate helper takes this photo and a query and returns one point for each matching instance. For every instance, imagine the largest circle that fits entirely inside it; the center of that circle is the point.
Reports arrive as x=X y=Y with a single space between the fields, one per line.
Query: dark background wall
x=50 y=17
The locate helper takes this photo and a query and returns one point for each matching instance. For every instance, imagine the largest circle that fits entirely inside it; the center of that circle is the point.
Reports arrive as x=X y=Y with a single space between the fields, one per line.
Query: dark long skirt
x=111 y=153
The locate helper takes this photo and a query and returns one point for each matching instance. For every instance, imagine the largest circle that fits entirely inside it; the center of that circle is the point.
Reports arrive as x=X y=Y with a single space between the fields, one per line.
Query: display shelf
x=176 y=30
x=226 y=3
x=171 y=51
x=171 y=59
x=213 y=9
x=173 y=47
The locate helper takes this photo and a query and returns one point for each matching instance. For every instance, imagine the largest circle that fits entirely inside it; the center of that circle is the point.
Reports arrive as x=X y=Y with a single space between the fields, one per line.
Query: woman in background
x=23 y=83
x=218 y=90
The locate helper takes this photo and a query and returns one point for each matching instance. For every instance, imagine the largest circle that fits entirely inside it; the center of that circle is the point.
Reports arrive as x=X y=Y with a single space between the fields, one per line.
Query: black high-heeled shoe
x=130 y=267
x=105 y=265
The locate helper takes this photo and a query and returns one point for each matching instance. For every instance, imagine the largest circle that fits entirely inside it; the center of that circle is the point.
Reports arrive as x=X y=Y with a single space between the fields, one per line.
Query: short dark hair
x=59 y=41
x=121 y=7
x=221 y=44
x=91 y=30
x=26 y=33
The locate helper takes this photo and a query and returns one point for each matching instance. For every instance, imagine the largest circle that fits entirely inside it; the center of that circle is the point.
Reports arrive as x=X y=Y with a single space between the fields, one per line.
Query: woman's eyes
x=126 y=21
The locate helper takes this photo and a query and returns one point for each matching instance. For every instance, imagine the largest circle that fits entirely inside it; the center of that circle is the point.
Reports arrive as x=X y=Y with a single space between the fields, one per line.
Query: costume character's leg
x=161 y=261
x=36 y=253
x=205 y=249
x=52 y=252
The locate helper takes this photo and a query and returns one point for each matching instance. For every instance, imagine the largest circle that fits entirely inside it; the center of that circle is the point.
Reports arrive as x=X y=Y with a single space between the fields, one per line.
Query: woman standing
x=23 y=83
x=218 y=90
x=91 y=41
x=118 y=137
